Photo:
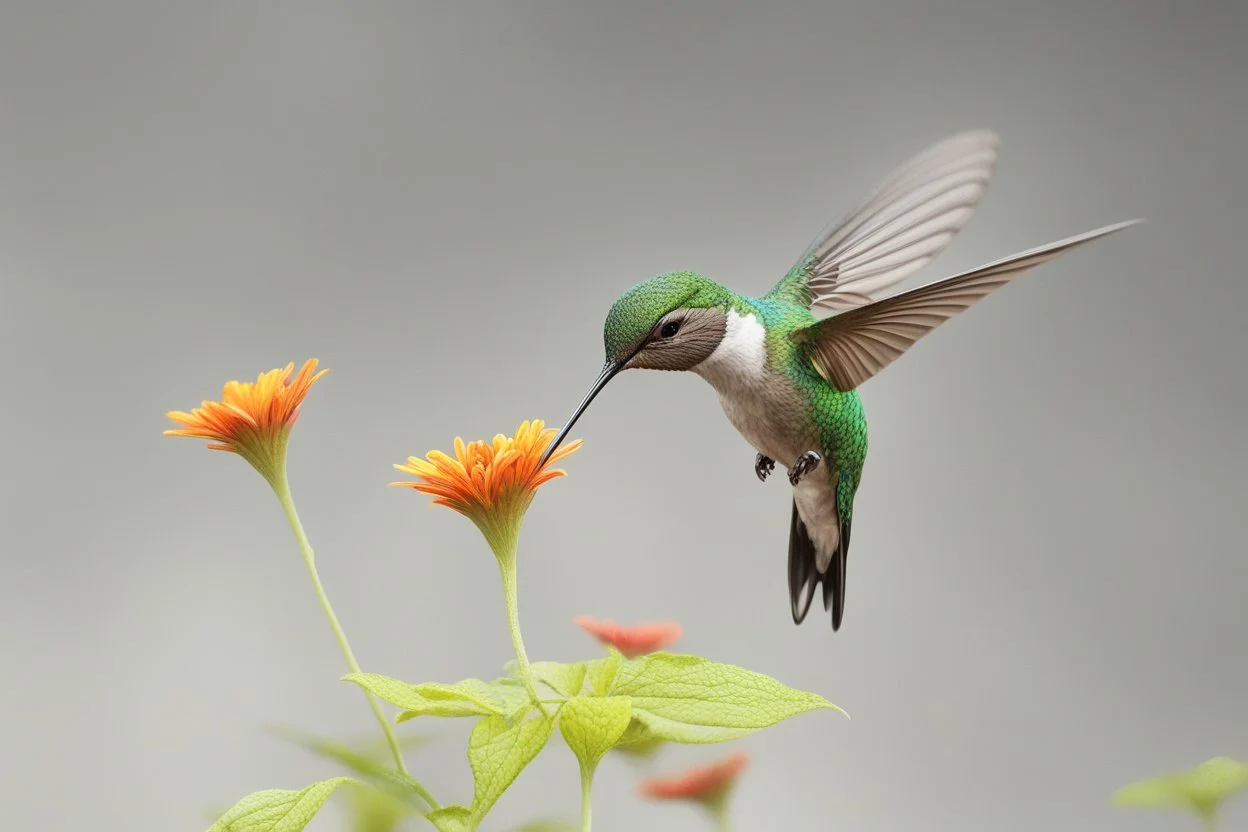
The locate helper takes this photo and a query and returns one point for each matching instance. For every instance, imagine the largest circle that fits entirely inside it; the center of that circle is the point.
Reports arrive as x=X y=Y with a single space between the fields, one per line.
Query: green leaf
x=546 y=826
x=563 y=679
x=591 y=726
x=602 y=673
x=374 y=810
x=278 y=810
x=391 y=690
x=1201 y=789
x=638 y=741
x=452 y=819
x=640 y=750
x=490 y=697
x=471 y=697
x=498 y=750
x=394 y=781
x=689 y=699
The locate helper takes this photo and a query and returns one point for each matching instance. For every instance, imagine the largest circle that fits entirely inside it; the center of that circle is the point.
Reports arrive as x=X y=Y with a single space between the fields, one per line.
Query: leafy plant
x=633 y=698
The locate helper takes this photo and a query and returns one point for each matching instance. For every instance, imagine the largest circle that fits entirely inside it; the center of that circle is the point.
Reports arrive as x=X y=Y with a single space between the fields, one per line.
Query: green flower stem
x=282 y=488
x=587 y=786
x=718 y=809
x=507 y=567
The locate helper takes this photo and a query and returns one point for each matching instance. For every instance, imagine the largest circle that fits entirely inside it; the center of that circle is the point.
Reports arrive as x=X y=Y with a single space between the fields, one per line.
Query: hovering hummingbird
x=789 y=382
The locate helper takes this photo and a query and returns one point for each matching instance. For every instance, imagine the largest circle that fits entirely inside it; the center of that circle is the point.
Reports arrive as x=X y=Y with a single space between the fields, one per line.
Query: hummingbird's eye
x=669 y=329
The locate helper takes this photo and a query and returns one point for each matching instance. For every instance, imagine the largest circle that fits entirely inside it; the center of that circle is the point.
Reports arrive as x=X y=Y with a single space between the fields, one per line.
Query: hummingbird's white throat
x=740 y=360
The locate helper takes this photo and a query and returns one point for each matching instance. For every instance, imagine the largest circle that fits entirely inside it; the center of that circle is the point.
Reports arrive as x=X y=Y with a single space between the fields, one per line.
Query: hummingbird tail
x=805 y=576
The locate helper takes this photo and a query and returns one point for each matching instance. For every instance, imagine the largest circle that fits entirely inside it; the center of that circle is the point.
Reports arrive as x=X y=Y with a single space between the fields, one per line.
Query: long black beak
x=608 y=373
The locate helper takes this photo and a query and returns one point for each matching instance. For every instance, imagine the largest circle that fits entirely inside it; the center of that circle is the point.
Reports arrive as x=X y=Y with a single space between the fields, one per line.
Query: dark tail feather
x=803 y=578
x=804 y=575
x=834 y=581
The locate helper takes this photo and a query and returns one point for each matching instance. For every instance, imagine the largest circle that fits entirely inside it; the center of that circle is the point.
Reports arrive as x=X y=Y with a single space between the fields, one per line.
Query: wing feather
x=906 y=222
x=849 y=348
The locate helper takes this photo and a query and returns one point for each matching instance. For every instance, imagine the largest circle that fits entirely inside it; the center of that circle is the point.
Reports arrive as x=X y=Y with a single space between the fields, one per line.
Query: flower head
x=491 y=483
x=707 y=784
x=632 y=641
x=253 y=419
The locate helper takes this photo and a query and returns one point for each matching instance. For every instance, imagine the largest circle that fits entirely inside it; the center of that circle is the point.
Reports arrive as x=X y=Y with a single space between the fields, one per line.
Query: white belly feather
x=737 y=369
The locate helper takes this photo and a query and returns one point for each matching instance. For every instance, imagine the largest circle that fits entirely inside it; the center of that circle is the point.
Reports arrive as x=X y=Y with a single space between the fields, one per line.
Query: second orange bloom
x=489 y=480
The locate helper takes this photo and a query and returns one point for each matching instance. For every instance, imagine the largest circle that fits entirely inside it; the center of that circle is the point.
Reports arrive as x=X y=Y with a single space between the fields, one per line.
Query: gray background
x=1046 y=588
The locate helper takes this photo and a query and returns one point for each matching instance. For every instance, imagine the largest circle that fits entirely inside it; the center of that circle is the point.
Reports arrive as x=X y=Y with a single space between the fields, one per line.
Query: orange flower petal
x=699 y=782
x=632 y=641
x=483 y=475
x=252 y=418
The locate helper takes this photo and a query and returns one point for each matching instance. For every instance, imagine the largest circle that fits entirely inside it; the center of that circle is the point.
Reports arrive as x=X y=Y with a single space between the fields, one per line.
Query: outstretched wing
x=914 y=214
x=849 y=348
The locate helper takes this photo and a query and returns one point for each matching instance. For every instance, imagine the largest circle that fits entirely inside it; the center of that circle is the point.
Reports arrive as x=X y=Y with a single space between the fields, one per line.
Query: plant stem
x=587 y=786
x=282 y=488
x=719 y=815
x=507 y=567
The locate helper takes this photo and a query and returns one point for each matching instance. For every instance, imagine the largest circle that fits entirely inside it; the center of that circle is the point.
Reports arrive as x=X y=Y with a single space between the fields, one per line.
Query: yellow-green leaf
x=592 y=726
x=689 y=699
x=374 y=810
x=563 y=679
x=471 y=697
x=278 y=810
x=1201 y=789
x=638 y=741
x=602 y=673
x=392 y=780
x=452 y=819
x=498 y=750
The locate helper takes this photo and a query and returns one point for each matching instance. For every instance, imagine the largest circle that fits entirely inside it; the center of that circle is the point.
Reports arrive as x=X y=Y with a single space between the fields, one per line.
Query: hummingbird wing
x=906 y=222
x=849 y=348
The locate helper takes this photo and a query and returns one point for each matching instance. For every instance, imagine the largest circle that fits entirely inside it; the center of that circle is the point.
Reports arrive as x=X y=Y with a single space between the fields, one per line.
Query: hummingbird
x=789 y=381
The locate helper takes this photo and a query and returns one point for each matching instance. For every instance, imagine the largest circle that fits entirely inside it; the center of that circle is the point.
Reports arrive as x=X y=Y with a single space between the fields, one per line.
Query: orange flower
x=632 y=641
x=703 y=784
x=490 y=483
x=253 y=419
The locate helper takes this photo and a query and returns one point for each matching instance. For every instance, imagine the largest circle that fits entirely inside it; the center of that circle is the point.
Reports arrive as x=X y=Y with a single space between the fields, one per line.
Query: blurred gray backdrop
x=1046 y=593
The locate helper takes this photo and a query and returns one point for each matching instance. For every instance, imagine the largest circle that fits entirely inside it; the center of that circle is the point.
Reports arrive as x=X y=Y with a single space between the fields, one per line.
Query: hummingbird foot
x=763 y=466
x=805 y=463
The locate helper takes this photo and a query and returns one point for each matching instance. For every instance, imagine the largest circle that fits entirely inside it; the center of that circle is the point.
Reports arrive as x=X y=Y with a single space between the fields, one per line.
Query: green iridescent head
x=670 y=322
x=639 y=311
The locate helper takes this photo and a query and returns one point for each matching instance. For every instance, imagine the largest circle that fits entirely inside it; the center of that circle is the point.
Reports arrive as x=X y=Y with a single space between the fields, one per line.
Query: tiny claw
x=763 y=466
x=805 y=463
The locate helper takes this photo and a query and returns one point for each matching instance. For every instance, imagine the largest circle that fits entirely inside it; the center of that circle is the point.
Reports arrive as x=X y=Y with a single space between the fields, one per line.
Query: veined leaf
x=498 y=750
x=638 y=741
x=689 y=699
x=278 y=810
x=602 y=673
x=591 y=726
x=392 y=780
x=452 y=819
x=391 y=690
x=471 y=697
x=563 y=679
x=491 y=697
x=690 y=733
